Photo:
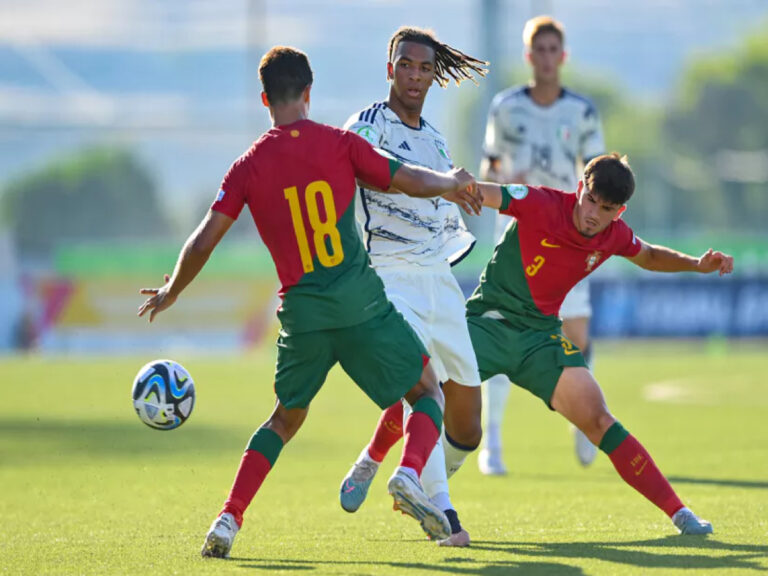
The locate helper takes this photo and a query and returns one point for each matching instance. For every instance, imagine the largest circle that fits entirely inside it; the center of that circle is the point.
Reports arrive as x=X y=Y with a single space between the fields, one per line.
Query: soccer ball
x=163 y=394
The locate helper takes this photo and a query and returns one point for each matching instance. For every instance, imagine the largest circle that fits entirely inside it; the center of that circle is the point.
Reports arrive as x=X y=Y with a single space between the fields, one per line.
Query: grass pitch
x=85 y=488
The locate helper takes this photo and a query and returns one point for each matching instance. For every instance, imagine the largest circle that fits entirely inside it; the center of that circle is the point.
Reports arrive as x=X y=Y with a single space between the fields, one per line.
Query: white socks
x=454 y=456
x=495 y=394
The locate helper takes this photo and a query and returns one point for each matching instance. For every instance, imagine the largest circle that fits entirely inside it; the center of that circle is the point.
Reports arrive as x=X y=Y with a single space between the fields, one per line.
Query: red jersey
x=299 y=182
x=542 y=256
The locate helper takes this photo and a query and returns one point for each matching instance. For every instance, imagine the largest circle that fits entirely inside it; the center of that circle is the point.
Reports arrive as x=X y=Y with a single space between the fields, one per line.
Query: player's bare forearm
x=413 y=188
x=491 y=194
x=663 y=259
x=424 y=183
x=192 y=258
x=457 y=186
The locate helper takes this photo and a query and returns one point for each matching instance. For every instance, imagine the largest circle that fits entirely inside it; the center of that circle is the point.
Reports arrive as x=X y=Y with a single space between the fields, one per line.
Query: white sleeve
x=592 y=143
x=368 y=124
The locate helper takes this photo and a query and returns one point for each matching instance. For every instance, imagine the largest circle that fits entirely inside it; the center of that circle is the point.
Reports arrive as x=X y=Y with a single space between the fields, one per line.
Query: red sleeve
x=233 y=192
x=370 y=166
x=518 y=199
x=624 y=242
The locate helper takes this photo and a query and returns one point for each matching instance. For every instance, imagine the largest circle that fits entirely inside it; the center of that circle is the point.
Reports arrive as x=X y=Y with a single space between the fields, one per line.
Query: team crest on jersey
x=367 y=133
x=593 y=259
x=564 y=133
x=441 y=149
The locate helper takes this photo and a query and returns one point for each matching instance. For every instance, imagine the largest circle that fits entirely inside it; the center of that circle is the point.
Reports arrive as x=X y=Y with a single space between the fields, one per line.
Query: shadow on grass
x=610 y=476
x=744 y=556
x=447 y=566
x=720 y=482
x=24 y=440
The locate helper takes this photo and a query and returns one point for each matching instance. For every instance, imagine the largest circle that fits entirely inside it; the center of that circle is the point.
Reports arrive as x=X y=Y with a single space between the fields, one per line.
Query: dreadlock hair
x=448 y=60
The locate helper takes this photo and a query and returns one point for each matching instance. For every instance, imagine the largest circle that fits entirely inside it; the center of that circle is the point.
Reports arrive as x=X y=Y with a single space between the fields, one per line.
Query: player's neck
x=545 y=93
x=409 y=117
x=288 y=113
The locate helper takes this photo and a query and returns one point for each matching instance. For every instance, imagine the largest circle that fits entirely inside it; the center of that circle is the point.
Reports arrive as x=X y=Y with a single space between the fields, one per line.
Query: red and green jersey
x=298 y=181
x=542 y=256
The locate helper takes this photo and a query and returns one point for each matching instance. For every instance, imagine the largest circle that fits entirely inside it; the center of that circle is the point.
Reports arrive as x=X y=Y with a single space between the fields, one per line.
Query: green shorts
x=383 y=356
x=532 y=359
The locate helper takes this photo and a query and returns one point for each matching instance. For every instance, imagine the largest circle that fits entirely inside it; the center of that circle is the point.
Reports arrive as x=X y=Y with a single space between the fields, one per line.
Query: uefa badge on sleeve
x=518 y=191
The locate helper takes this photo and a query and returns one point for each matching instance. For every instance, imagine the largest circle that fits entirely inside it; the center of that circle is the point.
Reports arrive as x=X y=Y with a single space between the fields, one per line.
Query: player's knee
x=437 y=395
x=596 y=427
x=428 y=387
x=604 y=421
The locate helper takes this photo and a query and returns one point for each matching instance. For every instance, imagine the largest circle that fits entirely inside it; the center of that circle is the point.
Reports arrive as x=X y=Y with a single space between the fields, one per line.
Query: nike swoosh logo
x=569 y=352
x=548 y=245
x=347 y=488
x=640 y=471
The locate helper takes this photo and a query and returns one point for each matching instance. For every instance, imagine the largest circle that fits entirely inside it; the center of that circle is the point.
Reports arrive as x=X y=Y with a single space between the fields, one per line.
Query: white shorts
x=576 y=303
x=430 y=299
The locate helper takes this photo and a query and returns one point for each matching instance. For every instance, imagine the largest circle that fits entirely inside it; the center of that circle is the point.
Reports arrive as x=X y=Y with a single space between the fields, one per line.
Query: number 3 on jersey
x=321 y=229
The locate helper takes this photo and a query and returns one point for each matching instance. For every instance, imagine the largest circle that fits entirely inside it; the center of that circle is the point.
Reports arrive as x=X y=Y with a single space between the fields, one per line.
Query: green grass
x=85 y=488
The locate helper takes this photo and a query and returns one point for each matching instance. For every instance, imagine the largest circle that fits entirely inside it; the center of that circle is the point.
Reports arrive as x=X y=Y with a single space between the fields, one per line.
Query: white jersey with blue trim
x=397 y=228
x=549 y=145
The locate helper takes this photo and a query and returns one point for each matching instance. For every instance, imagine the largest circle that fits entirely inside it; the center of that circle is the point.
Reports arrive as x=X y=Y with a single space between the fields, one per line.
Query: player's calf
x=258 y=460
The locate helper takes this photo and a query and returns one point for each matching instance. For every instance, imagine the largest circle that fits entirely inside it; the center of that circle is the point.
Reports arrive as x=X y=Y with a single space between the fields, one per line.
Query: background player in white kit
x=539 y=134
x=412 y=244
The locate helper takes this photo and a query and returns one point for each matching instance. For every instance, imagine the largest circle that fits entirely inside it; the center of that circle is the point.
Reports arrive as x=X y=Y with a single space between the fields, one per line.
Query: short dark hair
x=542 y=25
x=610 y=178
x=284 y=73
x=448 y=60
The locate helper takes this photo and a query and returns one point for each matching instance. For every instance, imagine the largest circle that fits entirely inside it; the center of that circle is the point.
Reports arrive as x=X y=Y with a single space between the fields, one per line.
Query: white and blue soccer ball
x=163 y=394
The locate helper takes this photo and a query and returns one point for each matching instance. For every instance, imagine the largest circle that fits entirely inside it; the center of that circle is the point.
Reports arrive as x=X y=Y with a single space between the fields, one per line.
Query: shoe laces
x=228 y=524
x=684 y=516
x=364 y=471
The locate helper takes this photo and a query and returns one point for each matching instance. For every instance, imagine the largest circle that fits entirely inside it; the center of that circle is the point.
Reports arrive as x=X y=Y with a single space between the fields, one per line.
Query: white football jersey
x=397 y=228
x=549 y=145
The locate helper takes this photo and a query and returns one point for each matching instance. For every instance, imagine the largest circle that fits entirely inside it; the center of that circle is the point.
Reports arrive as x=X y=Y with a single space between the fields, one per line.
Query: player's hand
x=159 y=300
x=712 y=261
x=468 y=194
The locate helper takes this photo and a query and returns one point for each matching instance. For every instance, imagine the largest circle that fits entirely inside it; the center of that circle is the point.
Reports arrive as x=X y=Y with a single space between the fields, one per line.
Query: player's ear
x=264 y=99
x=390 y=71
x=579 y=188
x=620 y=212
x=563 y=56
x=527 y=56
x=305 y=94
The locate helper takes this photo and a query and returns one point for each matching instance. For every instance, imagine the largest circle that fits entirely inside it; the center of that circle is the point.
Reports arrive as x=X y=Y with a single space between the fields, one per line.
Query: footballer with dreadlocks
x=412 y=244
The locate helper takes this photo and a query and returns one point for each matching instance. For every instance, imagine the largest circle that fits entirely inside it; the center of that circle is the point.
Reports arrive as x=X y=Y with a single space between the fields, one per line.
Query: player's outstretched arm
x=663 y=259
x=458 y=186
x=193 y=256
x=492 y=195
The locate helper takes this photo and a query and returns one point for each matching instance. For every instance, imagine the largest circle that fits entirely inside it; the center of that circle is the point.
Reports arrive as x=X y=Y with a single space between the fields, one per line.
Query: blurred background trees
x=97 y=194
